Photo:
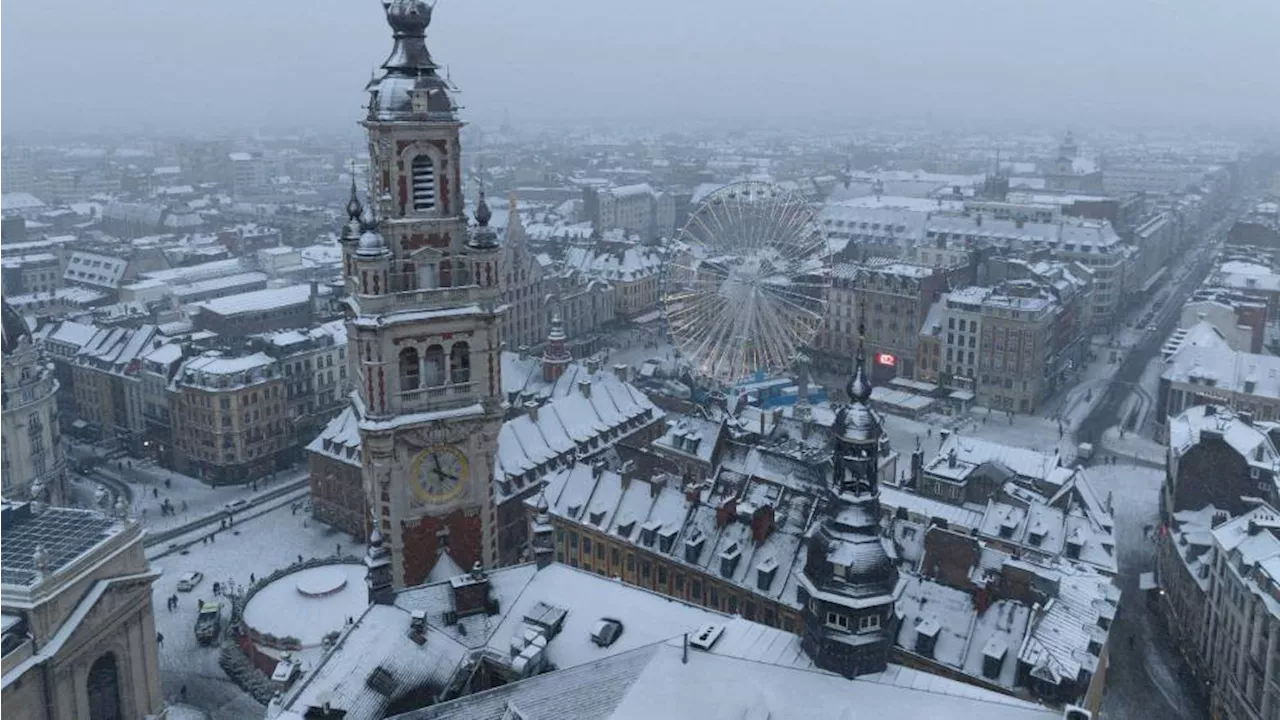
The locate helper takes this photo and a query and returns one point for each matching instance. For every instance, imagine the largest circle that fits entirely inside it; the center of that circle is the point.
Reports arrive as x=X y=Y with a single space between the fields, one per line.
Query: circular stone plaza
x=309 y=604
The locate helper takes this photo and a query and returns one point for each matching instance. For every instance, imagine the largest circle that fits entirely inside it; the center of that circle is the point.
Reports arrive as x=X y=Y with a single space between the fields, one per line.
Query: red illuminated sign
x=886 y=359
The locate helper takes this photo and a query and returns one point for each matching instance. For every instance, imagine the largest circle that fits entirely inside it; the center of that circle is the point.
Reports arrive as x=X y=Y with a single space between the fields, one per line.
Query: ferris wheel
x=746 y=289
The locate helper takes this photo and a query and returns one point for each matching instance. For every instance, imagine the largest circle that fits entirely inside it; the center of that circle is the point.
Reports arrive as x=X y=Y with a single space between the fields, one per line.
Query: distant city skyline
x=82 y=67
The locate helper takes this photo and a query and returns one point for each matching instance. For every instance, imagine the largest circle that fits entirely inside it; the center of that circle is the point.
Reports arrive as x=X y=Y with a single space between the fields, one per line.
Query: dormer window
x=666 y=539
x=649 y=533
x=729 y=560
x=693 y=548
x=838 y=620
x=1073 y=549
x=765 y=573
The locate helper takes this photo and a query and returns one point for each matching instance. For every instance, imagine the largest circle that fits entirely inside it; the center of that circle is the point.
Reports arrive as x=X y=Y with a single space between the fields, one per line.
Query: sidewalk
x=1133 y=445
x=150 y=492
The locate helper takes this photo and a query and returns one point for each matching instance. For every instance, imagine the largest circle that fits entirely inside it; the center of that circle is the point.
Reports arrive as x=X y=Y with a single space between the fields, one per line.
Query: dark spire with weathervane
x=848 y=582
x=353 y=228
x=483 y=237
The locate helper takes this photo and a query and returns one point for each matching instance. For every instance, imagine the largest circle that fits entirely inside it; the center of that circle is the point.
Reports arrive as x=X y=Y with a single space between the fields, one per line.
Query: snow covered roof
x=117 y=349
x=1192 y=537
x=73 y=334
x=632 y=190
x=1251 y=543
x=971 y=452
x=19 y=201
x=258 y=300
x=104 y=271
x=202 y=271
x=1064 y=632
x=1220 y=373
x=340 y=439
x=624 y=264
x=1253 y=444
x=924 y=509
x=593 y=413
x=217 y=370
x=1202 y=334
x=377 y=645
x=963 y=634
x=657 y=515
x=661 y=680
x=200 y=288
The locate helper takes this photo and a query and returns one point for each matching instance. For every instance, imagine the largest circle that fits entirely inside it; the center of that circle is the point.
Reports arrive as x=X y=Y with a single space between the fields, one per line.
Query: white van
x=189 y=581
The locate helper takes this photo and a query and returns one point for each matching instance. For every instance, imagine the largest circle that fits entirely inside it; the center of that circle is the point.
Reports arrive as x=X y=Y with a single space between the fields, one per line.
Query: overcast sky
x=85 y=65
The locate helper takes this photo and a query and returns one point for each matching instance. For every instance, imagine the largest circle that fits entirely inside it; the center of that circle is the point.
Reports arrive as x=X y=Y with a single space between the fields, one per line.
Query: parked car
x=237 y=505
x=189 y=581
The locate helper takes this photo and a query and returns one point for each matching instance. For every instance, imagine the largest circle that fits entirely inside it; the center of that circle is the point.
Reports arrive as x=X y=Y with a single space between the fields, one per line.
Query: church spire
x=859 y=387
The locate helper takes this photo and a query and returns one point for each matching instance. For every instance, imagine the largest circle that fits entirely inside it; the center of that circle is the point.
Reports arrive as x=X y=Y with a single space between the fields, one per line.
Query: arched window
x=446 y=273
x=104 y=689
x=433 y=366
x=424 y=183
x=460 y=363
x=410 y=373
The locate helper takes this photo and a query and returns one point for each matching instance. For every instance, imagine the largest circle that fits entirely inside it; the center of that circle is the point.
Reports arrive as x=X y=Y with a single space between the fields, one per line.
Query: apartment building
x=892 y=298
x=633 y=270
x=230 y=421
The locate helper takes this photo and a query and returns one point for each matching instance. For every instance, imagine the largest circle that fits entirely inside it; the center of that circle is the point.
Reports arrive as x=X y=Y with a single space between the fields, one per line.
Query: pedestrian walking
x=155 y=492
x=299 y=559
x=160 y=639
x=183 y=693
x=167 y=483
x=339 y=551
x=252 y=579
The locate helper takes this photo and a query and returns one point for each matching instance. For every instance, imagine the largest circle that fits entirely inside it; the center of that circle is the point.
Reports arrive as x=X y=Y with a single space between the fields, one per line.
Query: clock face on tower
x=439 y=474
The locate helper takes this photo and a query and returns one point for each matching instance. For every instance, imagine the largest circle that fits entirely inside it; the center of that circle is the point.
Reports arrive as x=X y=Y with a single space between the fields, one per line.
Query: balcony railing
x=441 y=397
x=437 y=297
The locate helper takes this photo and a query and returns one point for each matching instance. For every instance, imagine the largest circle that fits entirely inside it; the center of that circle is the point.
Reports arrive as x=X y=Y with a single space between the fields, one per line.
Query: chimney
x=692 y=492
x=532 y=408
x=622 y=371
x=951 y=458
x=471 y=593
x=727 y=511
x=917 y=467
x=584 y=386
x=762 y=523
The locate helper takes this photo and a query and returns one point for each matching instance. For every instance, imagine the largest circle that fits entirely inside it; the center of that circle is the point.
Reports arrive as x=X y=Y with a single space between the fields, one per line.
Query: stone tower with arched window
x=424 y=312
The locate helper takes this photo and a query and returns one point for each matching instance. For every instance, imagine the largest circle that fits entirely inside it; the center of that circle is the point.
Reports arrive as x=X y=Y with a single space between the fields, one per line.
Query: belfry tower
x=423 y=312
x=849 y=581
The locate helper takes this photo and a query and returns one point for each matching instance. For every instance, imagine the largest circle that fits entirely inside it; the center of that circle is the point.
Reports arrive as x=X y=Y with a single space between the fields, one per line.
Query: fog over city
x=81 y=65
x=672 y=359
